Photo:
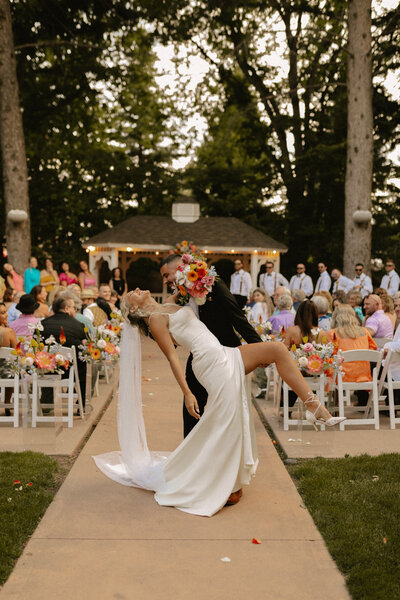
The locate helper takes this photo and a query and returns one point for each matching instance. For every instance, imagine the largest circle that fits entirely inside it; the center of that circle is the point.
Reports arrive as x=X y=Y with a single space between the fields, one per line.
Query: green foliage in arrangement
x=27 y=486
x=355 y=504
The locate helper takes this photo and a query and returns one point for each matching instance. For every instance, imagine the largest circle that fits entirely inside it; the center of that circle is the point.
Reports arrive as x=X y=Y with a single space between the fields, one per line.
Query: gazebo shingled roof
x=156 y=231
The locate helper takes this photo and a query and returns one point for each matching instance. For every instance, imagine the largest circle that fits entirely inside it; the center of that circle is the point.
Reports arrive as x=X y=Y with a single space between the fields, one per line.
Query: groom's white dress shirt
x=302 y=282
x=390 y=282
x=363 y=284
x=270 y=281
x=323 y=282
x=241 y=283
x=342 y=283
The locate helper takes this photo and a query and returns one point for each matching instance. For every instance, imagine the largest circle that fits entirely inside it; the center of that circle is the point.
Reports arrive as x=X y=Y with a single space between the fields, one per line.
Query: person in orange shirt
x=347 y=333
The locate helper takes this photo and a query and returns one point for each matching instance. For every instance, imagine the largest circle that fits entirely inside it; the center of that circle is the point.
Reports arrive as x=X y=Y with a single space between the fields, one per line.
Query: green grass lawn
x=355 y=503
x=22 y=509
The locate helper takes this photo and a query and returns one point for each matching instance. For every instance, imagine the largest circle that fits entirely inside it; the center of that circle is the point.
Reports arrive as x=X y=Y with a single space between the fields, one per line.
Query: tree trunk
x=12 y=143
x=357 y=235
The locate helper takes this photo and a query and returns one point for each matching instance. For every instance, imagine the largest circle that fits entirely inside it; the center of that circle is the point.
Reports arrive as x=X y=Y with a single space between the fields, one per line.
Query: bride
x=219 y=455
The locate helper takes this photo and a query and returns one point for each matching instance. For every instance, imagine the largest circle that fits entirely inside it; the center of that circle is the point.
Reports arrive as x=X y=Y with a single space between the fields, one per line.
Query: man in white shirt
x=340 y=282
x=324 y=281
x=391 y=280
x=301 y=281
x=271 y=280
x=361 y=282
x=240 y=283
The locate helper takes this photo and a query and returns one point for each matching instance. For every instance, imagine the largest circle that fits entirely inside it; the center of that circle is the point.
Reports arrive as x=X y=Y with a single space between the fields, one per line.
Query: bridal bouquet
x=194 y=278
x=103 y=344
x=35 y=356
x=315 y=359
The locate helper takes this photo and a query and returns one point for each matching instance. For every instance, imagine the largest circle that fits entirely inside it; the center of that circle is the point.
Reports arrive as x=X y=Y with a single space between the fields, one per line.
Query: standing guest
x=354 y=299
x=31 y=275
x=13 y=279
x=262 y=308
x=27 y=306
x=323 y=281
x=340 y=282
x=390 y=281
x=40 y=295
x=66 y=277
x=377 y=323
x=86 y=278
x=8 y=339
x=284 y=318
x=322 y=304
x=271 y=280
x=387 y=304
x=12 y=311
x=301 y=281
x=118 y=284
x=361 y=281
x=48 y=276
x=298 y=296
x=396 y=302
x=91 y=310
x=103 y=299
x=240 y=283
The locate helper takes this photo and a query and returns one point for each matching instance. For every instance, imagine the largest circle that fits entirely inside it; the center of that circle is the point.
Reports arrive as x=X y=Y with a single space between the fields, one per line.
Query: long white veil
x=134 y=465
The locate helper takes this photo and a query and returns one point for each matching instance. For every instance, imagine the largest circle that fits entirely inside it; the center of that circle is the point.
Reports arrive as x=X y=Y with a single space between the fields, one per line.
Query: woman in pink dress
x=86 y=278
x=13 y=279
x=66 y=277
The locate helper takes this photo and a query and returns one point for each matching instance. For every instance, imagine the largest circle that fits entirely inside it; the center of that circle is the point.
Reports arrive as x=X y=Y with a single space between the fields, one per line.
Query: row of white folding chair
x=71 y=396
x=7 y=384
x=387 y=383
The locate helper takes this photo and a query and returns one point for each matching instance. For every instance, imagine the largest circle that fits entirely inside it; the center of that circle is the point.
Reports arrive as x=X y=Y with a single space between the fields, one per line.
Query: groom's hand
x=191 y=406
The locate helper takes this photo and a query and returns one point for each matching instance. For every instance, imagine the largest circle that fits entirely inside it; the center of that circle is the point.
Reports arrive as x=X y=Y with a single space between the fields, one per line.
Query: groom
x=221 y=314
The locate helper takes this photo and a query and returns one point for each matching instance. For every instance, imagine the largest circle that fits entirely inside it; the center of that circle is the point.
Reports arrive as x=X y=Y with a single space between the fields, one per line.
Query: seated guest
x=284 y=318
x=86 y=278
x=27 y=306
x=66 y=277
x=103 y=299
x=322 y=304
x=8 y=339
x=12 y=311
x=328 y=296
x=91 y=310
x=8 y=297
x=355 y=299
x=394 y=346
x=338 y=297
x=396 y=302
x=48 y=276
x=78 y=309
x=262 y=308
x=305 y=325
x=40 y=295
x=349 y=335
x=280 y=291
x=376 y=322
x=387 y=304
x=114 y=302
x=298 y=297
x=74 y=331
x=75 y=289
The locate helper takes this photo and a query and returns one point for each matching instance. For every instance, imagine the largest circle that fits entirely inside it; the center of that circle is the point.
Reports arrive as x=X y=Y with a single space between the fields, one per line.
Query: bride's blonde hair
x=134 y=317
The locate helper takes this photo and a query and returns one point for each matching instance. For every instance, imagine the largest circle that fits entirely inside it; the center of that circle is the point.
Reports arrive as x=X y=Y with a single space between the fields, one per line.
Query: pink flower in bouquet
x=315 y=364
x=308 y=347
x=208 y=280
x=186 y=259
x=110 y=348
x=44 y=360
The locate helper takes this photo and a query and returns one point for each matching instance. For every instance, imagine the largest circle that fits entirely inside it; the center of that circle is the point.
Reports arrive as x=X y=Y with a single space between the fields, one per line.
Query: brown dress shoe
x=234 y=498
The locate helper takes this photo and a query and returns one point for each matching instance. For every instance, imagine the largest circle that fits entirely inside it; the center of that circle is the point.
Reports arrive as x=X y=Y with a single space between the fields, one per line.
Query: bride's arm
x=160 y=332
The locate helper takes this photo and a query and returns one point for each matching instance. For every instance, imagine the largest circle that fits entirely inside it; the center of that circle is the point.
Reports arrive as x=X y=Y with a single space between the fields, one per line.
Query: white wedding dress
x=217 y=457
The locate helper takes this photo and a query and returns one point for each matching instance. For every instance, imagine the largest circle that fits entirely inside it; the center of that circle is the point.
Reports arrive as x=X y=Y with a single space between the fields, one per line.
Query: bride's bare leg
x=265 y=353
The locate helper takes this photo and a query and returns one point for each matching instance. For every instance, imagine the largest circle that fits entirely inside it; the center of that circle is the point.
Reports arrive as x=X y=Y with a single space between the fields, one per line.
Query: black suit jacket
x=221 y=314
x=74 y=330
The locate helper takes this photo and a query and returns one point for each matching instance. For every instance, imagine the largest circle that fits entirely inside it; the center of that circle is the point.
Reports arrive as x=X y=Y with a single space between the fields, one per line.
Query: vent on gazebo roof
x=185 y=210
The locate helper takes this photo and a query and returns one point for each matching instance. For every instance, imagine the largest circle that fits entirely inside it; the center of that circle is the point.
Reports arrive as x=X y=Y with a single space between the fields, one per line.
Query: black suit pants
x=201 y=396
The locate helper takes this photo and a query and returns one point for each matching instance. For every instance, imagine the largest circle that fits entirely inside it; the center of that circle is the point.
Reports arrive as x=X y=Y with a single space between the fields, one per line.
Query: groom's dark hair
x=169 y=259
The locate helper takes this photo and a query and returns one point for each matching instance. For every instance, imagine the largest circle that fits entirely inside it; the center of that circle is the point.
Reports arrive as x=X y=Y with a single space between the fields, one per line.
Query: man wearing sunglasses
x=362 y=283
x=391 y=280
x=301 y=281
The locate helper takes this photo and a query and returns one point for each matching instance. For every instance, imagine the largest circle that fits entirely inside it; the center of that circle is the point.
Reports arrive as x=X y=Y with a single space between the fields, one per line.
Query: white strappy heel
x=313 y=420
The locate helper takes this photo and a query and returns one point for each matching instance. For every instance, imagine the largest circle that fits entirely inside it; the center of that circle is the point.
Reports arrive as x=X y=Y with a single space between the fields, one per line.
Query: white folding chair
x=68 y=398
x=7 y=383
x=371 y=356
x=380 y=342
x=386 y=382
x=317 y=385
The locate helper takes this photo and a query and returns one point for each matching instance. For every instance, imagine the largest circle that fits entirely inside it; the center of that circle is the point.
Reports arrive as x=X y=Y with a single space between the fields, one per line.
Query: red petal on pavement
x=256 y=541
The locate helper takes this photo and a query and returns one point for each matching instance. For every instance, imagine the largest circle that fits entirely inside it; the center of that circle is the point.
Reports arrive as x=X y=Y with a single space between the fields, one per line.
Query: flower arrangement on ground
x=316 y=358
x=113 y=328
x=35 y=356
x=102 y=345
x=194 y=279
x=262 y=327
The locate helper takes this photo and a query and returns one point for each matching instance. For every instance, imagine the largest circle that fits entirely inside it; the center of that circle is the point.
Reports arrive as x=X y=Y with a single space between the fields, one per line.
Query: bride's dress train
x=218 y=456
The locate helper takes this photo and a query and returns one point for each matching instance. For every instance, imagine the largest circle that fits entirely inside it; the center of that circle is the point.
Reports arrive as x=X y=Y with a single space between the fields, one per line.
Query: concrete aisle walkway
x=100 y=540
